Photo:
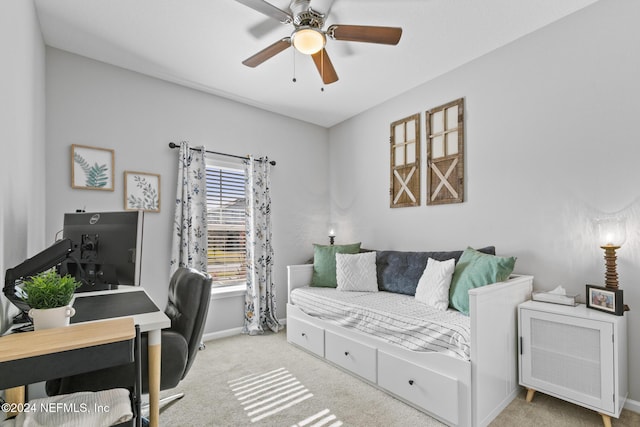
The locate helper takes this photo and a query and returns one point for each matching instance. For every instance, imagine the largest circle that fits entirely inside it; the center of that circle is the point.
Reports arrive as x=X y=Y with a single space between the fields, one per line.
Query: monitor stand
x=23 y=317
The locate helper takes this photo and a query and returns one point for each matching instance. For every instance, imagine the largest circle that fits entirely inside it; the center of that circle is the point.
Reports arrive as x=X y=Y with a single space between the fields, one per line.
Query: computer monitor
x=107 y=249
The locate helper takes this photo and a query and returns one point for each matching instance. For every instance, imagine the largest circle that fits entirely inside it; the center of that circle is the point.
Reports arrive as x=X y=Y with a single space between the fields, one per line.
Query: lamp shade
x=611 y=232
x=308 y=40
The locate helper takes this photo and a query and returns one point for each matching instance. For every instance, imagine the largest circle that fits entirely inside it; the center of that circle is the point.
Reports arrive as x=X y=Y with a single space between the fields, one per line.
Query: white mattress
x=395 y=318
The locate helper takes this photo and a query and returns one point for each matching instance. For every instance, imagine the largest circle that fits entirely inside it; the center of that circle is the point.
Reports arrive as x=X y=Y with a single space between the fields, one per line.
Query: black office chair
x=187 y=307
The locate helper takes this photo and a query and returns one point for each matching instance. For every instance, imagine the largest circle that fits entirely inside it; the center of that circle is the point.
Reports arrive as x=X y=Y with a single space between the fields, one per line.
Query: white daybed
x=456 y=391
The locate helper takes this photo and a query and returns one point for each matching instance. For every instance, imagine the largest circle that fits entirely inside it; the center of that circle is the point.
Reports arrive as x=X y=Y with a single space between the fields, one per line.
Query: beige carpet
x=225 y=388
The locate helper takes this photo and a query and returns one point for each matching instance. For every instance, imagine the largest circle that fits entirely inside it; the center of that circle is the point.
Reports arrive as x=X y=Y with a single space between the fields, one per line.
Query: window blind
x=226 y=225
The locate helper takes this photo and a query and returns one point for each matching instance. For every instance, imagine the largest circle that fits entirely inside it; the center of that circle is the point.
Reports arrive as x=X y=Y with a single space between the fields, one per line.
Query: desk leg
x=154 y=377
x=14 y=395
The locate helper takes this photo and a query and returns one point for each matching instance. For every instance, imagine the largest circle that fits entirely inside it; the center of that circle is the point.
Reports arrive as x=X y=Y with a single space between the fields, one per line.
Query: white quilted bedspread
x=395 y=318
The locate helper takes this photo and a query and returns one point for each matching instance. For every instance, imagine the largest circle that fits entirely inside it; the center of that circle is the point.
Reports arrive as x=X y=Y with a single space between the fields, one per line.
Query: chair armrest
x=175 y=354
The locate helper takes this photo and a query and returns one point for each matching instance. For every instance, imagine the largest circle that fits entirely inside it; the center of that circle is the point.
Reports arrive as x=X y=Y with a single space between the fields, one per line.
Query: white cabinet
x=574 y=353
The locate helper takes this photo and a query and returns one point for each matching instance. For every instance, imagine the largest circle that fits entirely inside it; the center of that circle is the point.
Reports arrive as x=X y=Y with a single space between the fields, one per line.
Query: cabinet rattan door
x=568 y=357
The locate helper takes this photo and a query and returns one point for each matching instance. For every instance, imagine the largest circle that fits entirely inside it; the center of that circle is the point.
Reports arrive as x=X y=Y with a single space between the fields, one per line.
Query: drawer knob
x=346 y=353
x=410 y=382
x=304 y=335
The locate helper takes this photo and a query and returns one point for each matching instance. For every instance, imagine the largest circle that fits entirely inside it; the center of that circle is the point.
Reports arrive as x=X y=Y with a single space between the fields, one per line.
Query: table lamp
x=611 y=236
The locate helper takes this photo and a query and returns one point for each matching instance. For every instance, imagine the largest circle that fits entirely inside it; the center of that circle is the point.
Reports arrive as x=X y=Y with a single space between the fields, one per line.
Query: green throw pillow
x=324 y=263
x=473 y=270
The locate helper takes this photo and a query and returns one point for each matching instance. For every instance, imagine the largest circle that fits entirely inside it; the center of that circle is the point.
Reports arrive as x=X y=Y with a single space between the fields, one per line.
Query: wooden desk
x=37 y=343
x=151 y=322
x=28 y=357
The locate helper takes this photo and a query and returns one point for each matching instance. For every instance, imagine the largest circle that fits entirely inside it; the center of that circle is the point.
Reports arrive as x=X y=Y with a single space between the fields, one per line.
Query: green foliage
x=149 y=199
x=96 y=175
x=49 y=290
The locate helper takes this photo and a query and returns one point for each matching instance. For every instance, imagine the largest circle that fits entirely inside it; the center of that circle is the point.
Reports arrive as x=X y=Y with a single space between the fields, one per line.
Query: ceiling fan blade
x=267 y=52
x=325 y=67
x=365 y=33
x=268 y=9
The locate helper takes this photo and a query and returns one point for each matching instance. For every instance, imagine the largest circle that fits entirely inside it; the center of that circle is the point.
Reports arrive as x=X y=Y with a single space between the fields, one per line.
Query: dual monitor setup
x=102 y=250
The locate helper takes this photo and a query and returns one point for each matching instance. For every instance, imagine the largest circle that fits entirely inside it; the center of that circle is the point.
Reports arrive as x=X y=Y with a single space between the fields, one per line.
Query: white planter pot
x=51 y=317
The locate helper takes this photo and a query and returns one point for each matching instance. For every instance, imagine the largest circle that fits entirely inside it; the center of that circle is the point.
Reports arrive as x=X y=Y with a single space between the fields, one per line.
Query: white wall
x=21 y=139
x=95 y=104
x=551 y=141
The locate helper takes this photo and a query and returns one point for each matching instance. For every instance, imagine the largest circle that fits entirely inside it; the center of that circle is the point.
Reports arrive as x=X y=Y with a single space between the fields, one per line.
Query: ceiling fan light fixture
x=308 y=40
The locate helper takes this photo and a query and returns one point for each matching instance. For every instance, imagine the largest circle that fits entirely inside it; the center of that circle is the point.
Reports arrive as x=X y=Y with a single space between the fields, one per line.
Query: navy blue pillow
x=399 y=272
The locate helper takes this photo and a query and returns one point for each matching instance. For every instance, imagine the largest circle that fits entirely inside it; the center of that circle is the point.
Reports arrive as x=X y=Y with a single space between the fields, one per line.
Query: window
x=226 y=225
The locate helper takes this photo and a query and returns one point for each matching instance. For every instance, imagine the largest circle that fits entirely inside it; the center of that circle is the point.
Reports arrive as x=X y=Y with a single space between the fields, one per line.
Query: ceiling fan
x=309 y=38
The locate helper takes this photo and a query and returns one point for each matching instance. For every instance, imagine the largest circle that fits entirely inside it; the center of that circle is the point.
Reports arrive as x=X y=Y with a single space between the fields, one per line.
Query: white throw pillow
x=357 y=272
x=433 y=286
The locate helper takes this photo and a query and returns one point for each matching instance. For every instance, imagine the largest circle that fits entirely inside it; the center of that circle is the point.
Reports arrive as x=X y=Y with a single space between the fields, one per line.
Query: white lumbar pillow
x=433 y=286
x=357 y=272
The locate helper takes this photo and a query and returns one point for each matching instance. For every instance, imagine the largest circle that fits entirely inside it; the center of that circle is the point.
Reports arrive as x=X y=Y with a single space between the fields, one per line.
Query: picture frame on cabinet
x=605 y=299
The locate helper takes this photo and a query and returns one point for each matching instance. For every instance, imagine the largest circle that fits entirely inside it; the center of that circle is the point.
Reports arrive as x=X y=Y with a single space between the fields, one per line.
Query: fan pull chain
x=322 y=69
x=294 y=65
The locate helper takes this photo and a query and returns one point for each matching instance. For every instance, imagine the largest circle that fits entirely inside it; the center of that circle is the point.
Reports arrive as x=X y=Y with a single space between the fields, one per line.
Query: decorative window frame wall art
x=445 y=153
x=141 y=191
x=92 y=168
x=404 y=144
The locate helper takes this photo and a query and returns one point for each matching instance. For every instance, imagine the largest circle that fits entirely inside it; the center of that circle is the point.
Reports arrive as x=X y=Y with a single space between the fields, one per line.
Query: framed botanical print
x=92 y=168
x=141 y=191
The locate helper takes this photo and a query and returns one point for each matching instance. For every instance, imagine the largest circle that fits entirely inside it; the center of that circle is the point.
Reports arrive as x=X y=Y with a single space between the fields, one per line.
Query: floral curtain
x=260 y=298
x=189 y=239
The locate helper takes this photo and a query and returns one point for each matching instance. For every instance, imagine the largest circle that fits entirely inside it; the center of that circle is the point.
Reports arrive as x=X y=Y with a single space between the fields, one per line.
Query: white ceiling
x=202 y=43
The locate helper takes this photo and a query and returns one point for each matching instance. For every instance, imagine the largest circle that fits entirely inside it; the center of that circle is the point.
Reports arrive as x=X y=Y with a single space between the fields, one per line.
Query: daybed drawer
x=434 y=392
x=306 y=335
x=352 y=355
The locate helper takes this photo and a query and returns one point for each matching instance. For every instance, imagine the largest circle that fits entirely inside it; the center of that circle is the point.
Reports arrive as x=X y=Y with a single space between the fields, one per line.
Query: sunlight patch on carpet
x=322 y=418
x=266 y=394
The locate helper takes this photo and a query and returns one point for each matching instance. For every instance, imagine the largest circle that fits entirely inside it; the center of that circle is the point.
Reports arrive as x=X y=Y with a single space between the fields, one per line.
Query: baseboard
x=632 y=405
x=230 y=332
x=221 y=334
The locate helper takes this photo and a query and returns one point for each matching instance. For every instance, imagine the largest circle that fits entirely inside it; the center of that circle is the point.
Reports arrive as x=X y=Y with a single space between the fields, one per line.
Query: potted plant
x=49 y=294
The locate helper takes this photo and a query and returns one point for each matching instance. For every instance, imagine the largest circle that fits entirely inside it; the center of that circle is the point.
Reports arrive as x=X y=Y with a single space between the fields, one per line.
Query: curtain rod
x=174 y=145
